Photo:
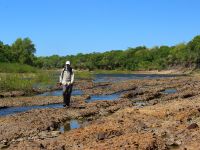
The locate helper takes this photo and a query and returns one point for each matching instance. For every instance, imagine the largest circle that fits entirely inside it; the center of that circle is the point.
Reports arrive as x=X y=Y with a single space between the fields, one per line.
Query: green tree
x=193 y=49
x=23 y=51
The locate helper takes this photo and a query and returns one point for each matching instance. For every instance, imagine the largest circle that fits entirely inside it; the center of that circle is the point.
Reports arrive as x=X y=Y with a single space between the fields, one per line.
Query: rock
x=3 y=107
x=188 y=95
x=101 y=136
x=55 y=133
x=142 y=126
x=132 y=94
x=2 y=146
x=42 y=146
x=163 y=134
x=189 y=119
x=81 y=107
x=170 y=141
x=20 y=139
x=192 y=126
x=80 y=117
x=178 y=142
x=12 y=94
x=43 y=134
x=4 y=142
x=89 y=119
x=120 y=121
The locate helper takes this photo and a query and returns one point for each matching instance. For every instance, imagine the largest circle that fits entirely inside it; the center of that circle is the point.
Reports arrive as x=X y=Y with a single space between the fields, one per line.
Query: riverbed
x=103 y=110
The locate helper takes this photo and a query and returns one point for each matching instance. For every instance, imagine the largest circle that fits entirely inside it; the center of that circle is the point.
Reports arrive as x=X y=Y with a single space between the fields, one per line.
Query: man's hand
x=69 y=83
x=59 y=84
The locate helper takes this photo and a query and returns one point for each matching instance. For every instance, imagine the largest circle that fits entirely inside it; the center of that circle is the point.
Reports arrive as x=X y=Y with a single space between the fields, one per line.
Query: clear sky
x=66 y=27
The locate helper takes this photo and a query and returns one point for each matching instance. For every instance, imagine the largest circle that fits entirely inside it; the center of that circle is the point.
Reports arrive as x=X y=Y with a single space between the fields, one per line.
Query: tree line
x=139 y=58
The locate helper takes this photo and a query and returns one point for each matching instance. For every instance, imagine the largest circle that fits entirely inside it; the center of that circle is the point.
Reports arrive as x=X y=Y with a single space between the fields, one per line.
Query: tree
x=5 y=53
x=193 y=49
x=23 y=51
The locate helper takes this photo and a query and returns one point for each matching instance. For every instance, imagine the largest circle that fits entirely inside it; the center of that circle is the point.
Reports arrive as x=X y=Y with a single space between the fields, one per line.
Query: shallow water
x=120 y=77
x=110 y=97
x=14 y=110
x=73 y=124
x=169 y=91
x=59 y=93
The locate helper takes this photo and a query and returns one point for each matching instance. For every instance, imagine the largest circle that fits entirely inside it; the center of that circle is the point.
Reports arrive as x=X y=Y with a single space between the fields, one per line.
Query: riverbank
x=170 y=71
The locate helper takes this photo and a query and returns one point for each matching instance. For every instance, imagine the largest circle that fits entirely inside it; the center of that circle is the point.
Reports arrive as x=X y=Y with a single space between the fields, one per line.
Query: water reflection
x=169 y=91
x=14 y=110
x=111 y=97
x=73 y=124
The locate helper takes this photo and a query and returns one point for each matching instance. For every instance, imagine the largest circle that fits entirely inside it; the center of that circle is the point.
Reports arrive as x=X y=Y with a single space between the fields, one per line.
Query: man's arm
x=72 y=77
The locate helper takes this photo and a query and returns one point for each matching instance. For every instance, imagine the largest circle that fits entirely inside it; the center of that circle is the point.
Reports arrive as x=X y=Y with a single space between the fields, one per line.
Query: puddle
x=169 y=91
x=120 y=77
x=110 y=97
x=59 y=93
x=73 y=124
x=14 y=110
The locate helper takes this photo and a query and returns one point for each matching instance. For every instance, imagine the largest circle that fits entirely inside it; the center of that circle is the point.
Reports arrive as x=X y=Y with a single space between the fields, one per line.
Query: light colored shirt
x=66 y=77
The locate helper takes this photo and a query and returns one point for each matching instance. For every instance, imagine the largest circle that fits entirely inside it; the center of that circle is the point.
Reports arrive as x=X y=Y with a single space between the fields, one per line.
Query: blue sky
x=67 y=27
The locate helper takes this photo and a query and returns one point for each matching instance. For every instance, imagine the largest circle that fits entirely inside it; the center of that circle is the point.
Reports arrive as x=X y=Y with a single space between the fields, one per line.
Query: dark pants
x=67 y=90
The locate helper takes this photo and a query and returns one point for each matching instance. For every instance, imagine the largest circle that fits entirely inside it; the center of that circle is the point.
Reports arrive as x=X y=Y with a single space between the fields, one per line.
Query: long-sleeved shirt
x=67 y=76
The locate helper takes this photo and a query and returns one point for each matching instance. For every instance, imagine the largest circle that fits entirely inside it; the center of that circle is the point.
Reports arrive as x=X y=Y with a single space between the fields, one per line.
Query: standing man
x=67 y=80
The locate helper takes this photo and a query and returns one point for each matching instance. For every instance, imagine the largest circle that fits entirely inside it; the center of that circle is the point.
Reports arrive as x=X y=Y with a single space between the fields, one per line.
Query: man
x=67 y=80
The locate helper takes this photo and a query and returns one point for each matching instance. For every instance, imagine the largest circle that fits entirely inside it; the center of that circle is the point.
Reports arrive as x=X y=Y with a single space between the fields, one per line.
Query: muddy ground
x=143 y=117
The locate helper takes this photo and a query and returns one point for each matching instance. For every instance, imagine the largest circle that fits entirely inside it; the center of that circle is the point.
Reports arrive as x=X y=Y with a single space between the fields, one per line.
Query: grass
x=14 y=76
x=14 y=81
x=26 y=81
x=17 y=68
x=83 y=75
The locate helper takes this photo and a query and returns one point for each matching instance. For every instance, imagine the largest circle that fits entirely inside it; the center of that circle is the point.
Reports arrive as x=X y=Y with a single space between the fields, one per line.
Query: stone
x=43 y=134
x=192 y=126
x=20 y=139
x=2 y=146
x=55 y=133
x=101 y=136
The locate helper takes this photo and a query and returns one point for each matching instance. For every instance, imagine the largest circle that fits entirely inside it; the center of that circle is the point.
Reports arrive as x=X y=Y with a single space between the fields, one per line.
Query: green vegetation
x=17 y=68
x=20 y=69
x=27 y=81
x=10 y=82
x=83 y=75
x=21 y=51
x=139 y=58
x=185 y=55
